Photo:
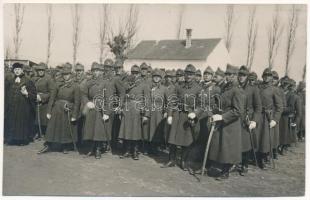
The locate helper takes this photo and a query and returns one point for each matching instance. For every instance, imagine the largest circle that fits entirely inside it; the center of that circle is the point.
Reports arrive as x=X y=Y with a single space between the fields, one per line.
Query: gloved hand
x=216 y=117
x=144 y=119
x=24 y=91
x=191 y=115
x=38 y=98
x=105 y=117
x=252 y=125
x=90 y=105
x=272 y=124
x=73 y=119
x=169 y=120
x=293 y=124
x=48 y=116
x=165 y=115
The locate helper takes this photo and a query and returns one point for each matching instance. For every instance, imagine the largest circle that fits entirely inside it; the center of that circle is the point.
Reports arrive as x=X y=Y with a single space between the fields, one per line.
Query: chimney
x=188 y=43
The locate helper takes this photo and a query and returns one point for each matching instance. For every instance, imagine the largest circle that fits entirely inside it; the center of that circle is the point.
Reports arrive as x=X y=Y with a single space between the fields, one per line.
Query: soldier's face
x=97 y=73
x=143 y=72
x=66 y=76
x=41 y=73
x=230 y=77
x=18 y=71
x=207 y=77
x=242 y=78
x=189 y=77
x=198 y=78
x=267 y=78
x=168 y=79
x=156 y=79
x=79 y=72
x=136 y=74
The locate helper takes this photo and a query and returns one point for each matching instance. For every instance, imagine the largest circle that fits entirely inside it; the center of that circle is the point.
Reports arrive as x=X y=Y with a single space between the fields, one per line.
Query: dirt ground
x=26 y=173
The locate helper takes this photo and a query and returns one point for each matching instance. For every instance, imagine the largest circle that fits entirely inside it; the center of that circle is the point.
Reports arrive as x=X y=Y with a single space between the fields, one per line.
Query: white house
x=173 y=54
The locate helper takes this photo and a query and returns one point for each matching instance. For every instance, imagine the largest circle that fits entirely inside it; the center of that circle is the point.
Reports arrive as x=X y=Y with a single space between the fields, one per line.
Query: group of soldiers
x=227 y=118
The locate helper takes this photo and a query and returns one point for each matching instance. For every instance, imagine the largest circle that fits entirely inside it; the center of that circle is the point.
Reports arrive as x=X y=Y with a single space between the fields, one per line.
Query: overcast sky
x=155 y=22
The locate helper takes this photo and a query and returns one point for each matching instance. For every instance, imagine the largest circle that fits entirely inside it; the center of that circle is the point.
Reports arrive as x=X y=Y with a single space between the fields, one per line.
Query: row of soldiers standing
x=149 y=109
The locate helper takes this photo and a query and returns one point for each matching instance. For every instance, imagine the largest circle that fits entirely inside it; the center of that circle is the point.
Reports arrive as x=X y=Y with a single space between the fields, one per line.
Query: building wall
x=219 y=57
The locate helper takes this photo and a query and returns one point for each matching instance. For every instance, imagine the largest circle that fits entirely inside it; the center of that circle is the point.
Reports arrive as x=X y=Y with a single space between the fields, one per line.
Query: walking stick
x=251 y=140
x=39 y=121
x=70 y=128
x=271 y=153
x=207 y=148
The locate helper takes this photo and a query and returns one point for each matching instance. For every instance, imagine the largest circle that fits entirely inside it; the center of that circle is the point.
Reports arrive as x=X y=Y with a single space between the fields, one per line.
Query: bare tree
x=180 y=22
x=274 y=36
x=50 y=32
x=19 y=11
x=103 y=31
x=121 y=42
x=229 y=26
x=76 y=23
x=251 y=36
x=291 y=36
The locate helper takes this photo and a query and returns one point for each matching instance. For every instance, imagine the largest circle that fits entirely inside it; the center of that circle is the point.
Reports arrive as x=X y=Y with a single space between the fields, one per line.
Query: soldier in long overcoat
x=271 y=112
x=250 y=119
x=301 y=92
x=97 y=111
x=134 y=113
x=226 y=145
x=62 y=112
x=19 y=107
x=45 y=87
x=184 y=120
x=159 y=95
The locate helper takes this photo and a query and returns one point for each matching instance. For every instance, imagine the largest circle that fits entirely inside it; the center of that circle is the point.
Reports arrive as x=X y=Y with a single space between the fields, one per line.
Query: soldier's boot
x=172 y=157
x=244 y=164
x=65 y=149
x=260 y=162
x=183 y=159
x=45 y=149
x=135 y=155
x=126 y=149
x=224 y=173
x=108 y=148
x=98 y=152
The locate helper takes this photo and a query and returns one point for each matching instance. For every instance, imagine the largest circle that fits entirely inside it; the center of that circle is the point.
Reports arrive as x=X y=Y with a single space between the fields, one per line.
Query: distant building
x=172 y=54
x=10 y=62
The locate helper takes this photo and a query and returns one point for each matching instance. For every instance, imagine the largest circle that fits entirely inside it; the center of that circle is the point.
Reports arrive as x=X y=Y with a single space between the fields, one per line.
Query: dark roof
x=173 y=49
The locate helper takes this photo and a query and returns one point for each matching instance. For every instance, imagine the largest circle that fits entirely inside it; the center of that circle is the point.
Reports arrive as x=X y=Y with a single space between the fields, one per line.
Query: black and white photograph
x=154 y=99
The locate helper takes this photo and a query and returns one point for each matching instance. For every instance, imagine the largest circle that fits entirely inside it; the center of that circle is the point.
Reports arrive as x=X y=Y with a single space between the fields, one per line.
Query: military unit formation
x=209 y=122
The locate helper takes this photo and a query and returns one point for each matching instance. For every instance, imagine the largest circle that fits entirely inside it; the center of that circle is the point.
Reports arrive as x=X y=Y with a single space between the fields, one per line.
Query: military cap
x=285 y=79
x=27 y=68
x=267 y=72
x=17 y=65
x=108 y=63
x=118 y=63
x=275 y=74
x=243 y=70
x=157 y=72
x=149 y=68
x=252 y=76
x=67 y=64
x=169 y=73
x=198 y=72
x=208 y=70
x=301 y=85
x=292 y=82
x=40 y=66
x=135 y=68
x=179 y=72
x=66 y=70
x=220 y=72
x=230 y=69
x=190 y=69
x=79 y=66
x=144 y=66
